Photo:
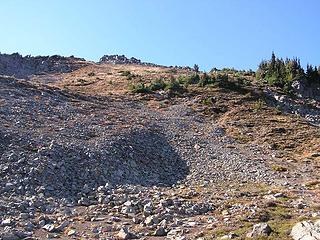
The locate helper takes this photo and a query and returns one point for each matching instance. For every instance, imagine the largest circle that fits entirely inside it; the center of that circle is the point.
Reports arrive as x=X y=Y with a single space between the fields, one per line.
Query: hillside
x=123 y=149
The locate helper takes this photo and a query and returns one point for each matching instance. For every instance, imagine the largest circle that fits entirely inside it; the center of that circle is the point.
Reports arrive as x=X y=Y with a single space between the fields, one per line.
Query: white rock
x=6 y=222
x=125 y=234
x=49 y=227
x=306 y=230
x=71 y=232
x=260 y=229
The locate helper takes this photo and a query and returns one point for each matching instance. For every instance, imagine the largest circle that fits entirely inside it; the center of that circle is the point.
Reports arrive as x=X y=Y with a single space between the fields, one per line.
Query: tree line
x=281 y=73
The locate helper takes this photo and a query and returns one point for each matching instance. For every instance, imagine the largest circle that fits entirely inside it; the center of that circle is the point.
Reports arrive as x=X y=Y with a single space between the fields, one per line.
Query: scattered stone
x=279 y=195
x=229 y=236
x=53 y=235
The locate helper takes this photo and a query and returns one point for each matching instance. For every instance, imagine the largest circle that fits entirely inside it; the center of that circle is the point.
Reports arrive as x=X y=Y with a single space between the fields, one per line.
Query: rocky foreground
x=113 y=166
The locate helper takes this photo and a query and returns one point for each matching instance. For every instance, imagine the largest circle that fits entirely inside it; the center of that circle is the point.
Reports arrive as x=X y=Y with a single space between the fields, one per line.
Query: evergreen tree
x=273 y=61
x=279 y=72
x=196 y=68
x=312 y=74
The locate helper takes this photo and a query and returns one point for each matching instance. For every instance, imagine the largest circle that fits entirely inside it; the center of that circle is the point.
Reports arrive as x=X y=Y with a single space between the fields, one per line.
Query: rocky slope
x=23 y=67
x=83 y=158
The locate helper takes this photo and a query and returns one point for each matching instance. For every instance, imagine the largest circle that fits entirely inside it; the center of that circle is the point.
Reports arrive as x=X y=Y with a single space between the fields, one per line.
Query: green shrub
x=125 y=73
x=139 y=88
x=174 y=85
x=207 y=101
x=279 y=168
x=242 y=81
x=190 y=79
x=222 y=77
x=158 y=84
x=258 y=105
x=205 y=79
x=280 y=73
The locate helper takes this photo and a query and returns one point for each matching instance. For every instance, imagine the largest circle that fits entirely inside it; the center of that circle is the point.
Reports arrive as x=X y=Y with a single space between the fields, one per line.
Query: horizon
x=180 y=33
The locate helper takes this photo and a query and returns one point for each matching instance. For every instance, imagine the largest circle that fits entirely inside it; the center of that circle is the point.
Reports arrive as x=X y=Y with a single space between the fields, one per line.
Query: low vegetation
x=139 y=88
x=281 y=73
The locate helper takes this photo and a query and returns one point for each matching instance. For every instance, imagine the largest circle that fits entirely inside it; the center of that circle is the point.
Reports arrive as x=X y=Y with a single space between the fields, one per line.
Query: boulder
x=260 y=229
x=125 y=234
x=306 y=230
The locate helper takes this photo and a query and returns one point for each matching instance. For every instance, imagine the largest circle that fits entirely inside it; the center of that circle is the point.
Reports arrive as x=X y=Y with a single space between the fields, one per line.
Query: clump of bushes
x=139 y=88
x=91 y=74
x=172 y=85
x=258 y=105
x=280 y=73
x=202 y=80
x=189 y=79
x=279 y=168
x=313 y=74
x=157 y=85
x=205 y=79
x=127 y=74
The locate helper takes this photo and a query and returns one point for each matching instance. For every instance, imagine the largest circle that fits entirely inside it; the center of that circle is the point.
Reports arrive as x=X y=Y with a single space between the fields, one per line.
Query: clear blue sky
x=211 y=33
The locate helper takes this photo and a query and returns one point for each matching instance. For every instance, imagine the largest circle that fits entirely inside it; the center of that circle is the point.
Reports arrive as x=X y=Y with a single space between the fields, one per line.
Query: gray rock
x=160 y=231
x=24 y=216
x=260 y=229
x=8 y=236
x=29 y=226
x=23 y=235
x=147 y=209
x=176 y=233
x=62 y=226
x=124 y=234
x=306 y=230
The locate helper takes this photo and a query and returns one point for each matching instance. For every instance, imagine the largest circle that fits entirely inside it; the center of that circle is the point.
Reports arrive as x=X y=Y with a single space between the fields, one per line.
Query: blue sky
x=211 y=33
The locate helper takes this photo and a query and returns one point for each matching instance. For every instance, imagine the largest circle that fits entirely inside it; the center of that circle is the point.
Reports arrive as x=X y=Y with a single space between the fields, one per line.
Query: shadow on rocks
x=139 y=157
x=148 y=159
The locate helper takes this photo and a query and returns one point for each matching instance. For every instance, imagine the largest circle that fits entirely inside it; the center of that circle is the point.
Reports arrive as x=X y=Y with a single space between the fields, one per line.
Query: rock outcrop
x=303 y=89
x=23 y=67
x=308 y=108
x=122 y=59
